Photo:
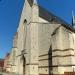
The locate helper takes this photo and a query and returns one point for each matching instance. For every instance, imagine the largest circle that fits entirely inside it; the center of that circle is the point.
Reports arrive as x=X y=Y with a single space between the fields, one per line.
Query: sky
x=10 y=12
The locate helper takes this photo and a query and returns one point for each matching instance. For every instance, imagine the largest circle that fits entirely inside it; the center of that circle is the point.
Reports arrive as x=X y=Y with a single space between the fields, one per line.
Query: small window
x=25 y=21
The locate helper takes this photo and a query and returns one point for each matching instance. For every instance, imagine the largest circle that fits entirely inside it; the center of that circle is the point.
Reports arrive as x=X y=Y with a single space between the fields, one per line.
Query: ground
x=3 y=73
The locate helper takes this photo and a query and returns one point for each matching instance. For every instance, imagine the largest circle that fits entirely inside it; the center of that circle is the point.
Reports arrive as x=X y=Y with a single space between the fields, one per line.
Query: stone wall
x=63 y=53
x=45 y=47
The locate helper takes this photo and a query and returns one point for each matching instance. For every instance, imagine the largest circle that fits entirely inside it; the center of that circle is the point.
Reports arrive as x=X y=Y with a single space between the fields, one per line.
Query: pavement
x=4 y=73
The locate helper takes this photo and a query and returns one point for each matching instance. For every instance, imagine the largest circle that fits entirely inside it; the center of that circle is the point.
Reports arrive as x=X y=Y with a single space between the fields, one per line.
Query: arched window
x=25 y=21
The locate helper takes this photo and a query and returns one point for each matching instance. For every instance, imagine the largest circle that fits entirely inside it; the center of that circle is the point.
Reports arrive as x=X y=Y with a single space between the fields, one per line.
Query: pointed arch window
x=25 y=21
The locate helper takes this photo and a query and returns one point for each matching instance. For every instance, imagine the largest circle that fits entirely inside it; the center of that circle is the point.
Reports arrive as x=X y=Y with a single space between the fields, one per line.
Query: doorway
x=50 y=60
x=24 y=64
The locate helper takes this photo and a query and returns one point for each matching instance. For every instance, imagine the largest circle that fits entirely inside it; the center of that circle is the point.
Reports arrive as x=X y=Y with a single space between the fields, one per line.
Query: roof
x=7 y=55
x=47 y=15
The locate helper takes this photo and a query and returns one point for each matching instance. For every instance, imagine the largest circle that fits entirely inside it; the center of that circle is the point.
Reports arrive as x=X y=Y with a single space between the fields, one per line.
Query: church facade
x=45 y=45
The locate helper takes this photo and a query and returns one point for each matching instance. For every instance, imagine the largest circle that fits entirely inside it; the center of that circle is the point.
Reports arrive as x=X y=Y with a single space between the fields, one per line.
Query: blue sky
x=10 y=11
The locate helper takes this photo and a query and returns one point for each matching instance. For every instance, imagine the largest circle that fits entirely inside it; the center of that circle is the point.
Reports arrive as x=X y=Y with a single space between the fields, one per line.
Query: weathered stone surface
x=43 y=46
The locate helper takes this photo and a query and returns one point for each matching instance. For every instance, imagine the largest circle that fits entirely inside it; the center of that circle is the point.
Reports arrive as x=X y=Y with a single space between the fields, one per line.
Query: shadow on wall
x=50 y=60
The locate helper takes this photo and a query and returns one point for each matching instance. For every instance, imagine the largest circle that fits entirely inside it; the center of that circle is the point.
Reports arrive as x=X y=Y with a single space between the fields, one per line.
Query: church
x=44 y=44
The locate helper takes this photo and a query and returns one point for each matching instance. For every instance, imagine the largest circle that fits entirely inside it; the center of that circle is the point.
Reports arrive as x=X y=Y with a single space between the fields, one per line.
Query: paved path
x=1 y=73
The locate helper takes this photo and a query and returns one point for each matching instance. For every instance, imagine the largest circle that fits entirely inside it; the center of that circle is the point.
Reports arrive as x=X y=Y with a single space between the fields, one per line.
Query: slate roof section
x=47 y=15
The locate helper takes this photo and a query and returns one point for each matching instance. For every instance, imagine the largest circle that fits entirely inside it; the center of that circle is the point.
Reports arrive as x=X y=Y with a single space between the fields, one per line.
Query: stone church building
x=44 y=44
